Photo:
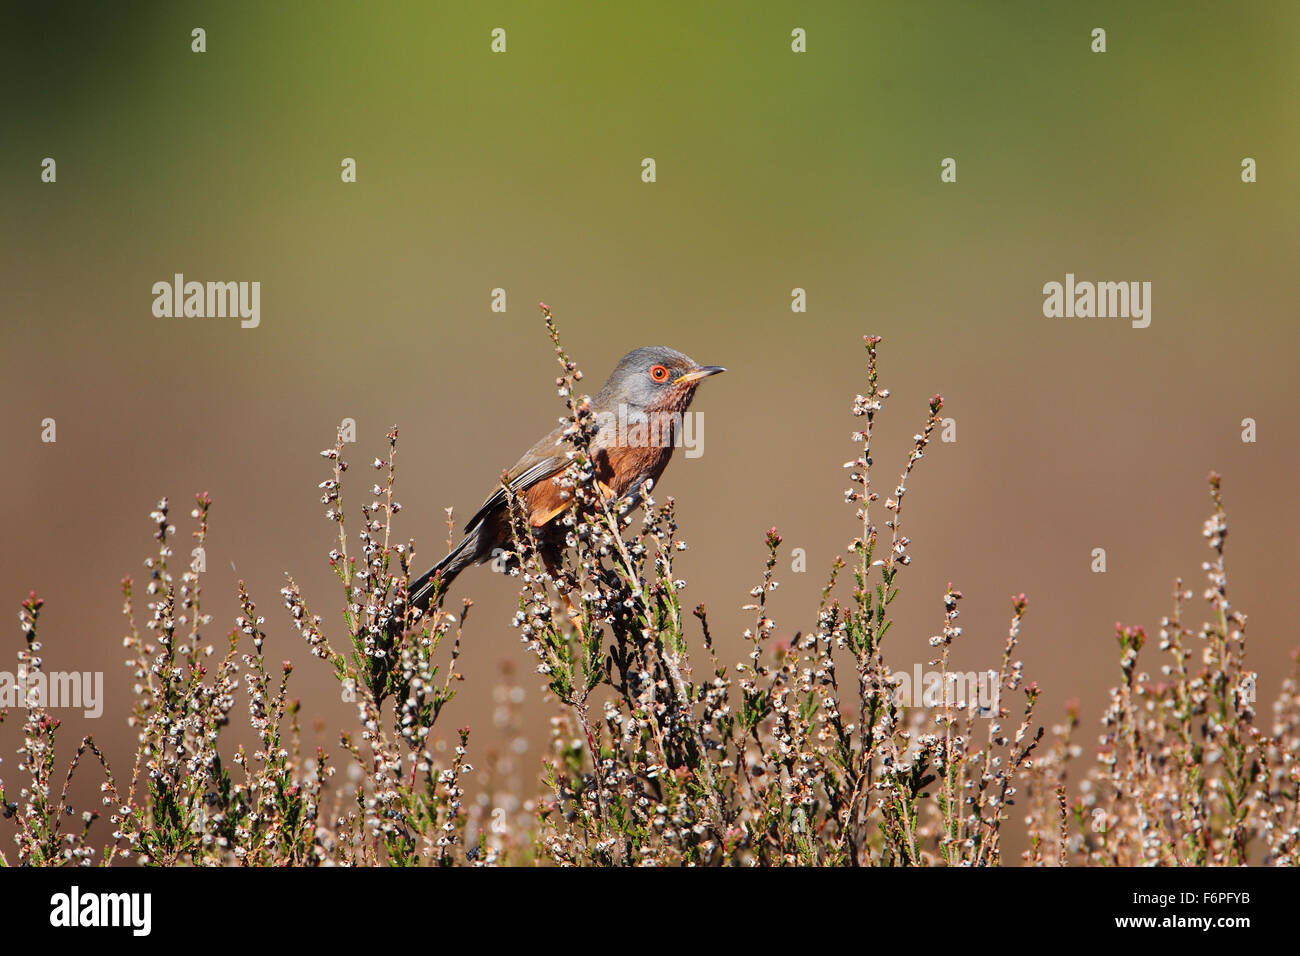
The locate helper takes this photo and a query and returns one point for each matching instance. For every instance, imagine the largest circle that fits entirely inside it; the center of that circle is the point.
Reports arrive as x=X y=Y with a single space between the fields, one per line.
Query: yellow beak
x=695 y=374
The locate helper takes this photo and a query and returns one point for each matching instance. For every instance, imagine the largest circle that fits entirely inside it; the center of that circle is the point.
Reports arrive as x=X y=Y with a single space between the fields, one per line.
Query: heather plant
x=1183 y=775
x=660 y=753
x=802 y=754
x=192 y=801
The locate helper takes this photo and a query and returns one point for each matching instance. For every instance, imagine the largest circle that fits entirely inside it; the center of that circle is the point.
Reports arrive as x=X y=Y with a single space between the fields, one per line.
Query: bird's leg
x=633 y=496
x=624 y=504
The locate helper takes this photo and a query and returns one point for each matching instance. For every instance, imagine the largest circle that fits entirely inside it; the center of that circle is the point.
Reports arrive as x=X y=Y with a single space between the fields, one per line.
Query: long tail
x=460 y=557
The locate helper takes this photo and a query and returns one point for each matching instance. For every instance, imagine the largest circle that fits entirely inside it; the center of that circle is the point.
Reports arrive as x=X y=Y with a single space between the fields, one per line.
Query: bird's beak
x=695 y=374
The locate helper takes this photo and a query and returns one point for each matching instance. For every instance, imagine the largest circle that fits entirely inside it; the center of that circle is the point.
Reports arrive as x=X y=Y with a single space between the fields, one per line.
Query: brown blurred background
x=775 y=170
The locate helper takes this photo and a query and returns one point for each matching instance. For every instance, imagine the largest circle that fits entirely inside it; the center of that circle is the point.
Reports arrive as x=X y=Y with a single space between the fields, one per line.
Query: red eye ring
x=659 y=373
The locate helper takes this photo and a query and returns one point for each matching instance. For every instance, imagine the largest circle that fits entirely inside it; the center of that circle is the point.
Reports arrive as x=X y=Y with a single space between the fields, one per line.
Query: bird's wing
x=544 y=460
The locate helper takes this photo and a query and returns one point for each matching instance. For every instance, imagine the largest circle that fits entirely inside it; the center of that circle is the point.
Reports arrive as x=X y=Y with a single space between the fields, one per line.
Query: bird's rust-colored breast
x=619 y=467
x=623 y=458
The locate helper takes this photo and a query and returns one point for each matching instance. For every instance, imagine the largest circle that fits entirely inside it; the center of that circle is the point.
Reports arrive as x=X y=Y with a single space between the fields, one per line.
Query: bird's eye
x=659 y=373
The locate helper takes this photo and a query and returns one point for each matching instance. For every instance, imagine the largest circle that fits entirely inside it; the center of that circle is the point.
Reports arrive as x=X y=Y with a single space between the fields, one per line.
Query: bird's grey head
x=654 y=377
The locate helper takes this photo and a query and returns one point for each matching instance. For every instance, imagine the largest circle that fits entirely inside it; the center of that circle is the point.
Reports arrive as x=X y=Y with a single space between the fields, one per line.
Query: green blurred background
x=775 y=170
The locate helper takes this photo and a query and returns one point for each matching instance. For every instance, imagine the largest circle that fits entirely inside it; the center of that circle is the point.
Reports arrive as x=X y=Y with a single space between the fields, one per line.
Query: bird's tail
x=459 y=558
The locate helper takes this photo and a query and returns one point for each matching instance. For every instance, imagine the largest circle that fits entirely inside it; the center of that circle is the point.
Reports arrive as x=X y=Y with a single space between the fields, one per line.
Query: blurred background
x=775 y=170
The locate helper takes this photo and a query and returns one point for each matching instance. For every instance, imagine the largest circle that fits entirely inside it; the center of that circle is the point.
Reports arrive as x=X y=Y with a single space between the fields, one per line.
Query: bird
x=638 y=414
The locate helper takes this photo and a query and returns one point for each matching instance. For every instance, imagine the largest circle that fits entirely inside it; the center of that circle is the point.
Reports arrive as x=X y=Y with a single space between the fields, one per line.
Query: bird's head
x=652 y=378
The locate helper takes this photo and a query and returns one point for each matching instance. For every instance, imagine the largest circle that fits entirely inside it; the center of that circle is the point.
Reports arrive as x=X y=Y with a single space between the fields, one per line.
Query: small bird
x=638 y=414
